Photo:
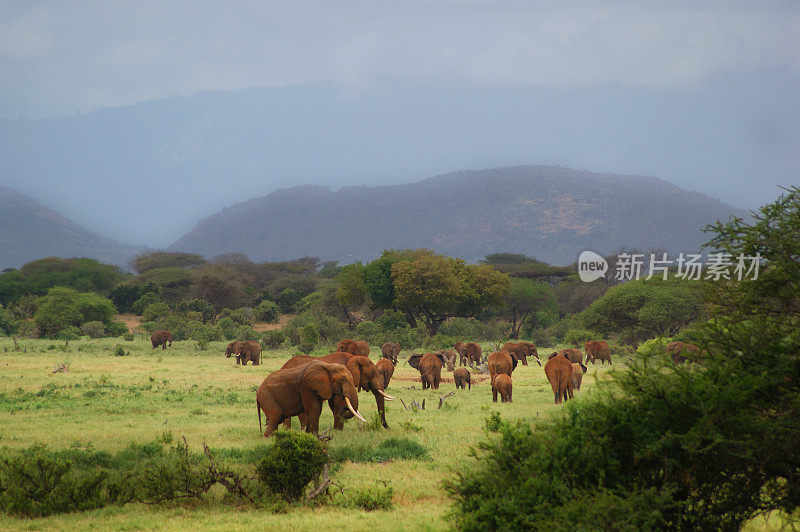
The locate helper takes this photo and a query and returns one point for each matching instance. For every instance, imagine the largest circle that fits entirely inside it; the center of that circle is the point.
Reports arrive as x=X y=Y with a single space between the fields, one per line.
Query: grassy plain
x=106 y=402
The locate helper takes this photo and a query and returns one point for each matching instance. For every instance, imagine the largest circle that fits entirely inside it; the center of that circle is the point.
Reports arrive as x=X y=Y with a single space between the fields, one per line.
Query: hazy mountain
x=30 y=231
x=550 y=213
x=147 y=173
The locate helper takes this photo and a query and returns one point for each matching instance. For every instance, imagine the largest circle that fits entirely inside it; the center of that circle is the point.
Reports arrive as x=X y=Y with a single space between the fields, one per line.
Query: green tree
x=64 y=307
x=524 y=299
x=351 y=293
x=434 y=287
x=667 y=446
x=643 y=309
x=166 y=259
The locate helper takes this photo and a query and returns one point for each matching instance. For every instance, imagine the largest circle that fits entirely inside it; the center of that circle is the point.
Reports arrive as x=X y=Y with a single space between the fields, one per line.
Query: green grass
x=111 y=403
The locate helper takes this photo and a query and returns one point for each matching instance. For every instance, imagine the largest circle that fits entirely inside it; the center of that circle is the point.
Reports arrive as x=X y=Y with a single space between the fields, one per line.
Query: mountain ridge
x=548 y=212
x=31 y=231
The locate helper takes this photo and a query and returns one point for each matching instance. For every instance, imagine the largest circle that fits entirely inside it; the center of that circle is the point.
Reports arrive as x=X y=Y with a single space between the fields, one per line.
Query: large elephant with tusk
x=301 y=390
x=365 y=376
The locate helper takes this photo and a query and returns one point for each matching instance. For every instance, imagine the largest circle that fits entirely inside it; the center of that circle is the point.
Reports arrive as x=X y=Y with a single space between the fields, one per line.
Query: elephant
x=578 y=371
x=160 y=338
x=245 y=351
x=461 y=349
x=390 y=350
x=300 y=390
x=365 y=376
x=677 y=349
x=523 y=350
x=501 y=362
x=385 y=367
x=450 y=358
x=597 y=351
x=558 y=370
x=573 y=354
x=462 y=378
x=429 y=366
x=354 y=347
x=470 y=352
x=502 y=384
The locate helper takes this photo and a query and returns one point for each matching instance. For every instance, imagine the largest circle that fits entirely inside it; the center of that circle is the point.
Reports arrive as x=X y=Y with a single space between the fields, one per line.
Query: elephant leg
x=164 y=346
x=313 y=411
x=287 y=423
x=338 y=421
x=381 y=404
x=273 y=416
x=303 y=417
x=494 y=394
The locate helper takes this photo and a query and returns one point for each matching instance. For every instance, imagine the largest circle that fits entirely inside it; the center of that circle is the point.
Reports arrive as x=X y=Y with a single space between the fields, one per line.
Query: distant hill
x=30 y=231
x=550 y=213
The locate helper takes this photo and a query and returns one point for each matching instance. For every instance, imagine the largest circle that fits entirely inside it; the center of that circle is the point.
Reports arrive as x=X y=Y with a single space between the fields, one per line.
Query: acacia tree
x=524 y=298
x=433 y=288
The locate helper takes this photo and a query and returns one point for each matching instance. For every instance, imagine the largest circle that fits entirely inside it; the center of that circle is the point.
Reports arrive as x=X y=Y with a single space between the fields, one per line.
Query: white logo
x=591 y=266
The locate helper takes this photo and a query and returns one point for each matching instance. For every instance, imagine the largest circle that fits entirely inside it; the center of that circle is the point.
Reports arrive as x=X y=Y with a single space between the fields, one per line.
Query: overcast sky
x=58 y=58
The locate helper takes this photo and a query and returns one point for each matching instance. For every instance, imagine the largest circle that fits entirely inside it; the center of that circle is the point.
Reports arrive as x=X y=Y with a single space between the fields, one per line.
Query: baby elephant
x=577 y=375
x=462 y=378
x=502 y=385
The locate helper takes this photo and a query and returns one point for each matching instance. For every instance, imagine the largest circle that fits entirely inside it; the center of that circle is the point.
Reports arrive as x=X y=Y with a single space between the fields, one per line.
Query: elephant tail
x=258 y=407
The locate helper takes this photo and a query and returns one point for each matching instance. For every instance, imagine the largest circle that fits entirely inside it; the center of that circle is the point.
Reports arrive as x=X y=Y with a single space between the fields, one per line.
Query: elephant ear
x=413 y=361
x=514 y=361
x=354 y=365
x=441 y=357
x=318 y=378
x=582 y=367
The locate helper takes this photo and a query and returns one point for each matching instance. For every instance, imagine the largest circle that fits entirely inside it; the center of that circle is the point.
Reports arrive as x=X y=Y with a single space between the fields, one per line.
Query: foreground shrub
x=704 y=446
x=294 y=460
x=34 y=483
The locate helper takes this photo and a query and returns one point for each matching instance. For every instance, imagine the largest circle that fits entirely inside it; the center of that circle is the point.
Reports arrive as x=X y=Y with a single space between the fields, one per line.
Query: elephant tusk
x=350 y=406
x=388 y=397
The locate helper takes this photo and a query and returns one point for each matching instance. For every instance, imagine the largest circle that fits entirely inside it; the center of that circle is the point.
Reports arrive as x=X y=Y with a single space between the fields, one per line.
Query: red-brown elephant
x=678 y=349
x=573 y=354
x=501 y=362
x=462 y=378
x=558 y=370
x=160 y=338
x=522 y=350
x=245 y=351
x=390 y=351
x=502 y=385
x=597 y=351
x=365 y=376
x=301 y=390
x=429 y=366
x=354 y=347
x=386 y=369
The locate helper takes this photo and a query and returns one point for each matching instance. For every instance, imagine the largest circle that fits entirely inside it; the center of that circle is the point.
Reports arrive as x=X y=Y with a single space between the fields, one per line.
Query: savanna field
x=105 y=402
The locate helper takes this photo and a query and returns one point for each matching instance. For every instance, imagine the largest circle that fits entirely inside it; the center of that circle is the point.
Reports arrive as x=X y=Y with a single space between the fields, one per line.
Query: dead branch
x=61 y=368
x=230 y=480
x=323 y=485
x=445 y=396
x=325 y=436
x=403 y=403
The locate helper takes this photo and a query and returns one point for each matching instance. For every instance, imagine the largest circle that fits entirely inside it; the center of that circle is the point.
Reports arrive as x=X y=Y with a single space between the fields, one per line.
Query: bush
x=93 y=329
x=227 y=328
x=116 y=328
x=128 y=337
x=369 y=499
x=34 y=483
x=156 y=311
x=273 y=339
x=369 y=331
x=440 y=341
x=240 y=316
x=267 y=311
x=309 y=338
x=8 y=325
x=541 y=338
x=295 y=459
x=578 y=337
x=461 y=328
x=245 y=332
x=391 y=320
x=139 y=306
x=63 y=307
x=120 y=351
